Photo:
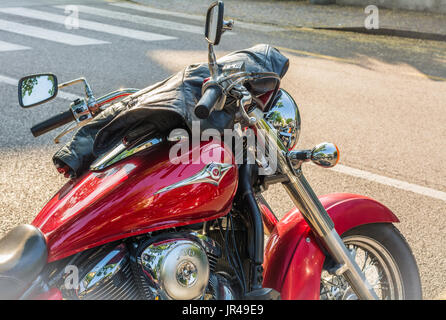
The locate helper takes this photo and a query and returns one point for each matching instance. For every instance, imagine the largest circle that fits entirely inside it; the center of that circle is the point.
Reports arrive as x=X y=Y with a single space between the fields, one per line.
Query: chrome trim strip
x=115 y=94
x=120 y=152
x=212 y=173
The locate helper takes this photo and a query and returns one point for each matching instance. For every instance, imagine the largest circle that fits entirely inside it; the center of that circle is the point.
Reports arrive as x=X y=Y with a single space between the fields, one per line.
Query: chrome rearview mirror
x=37 y=89
x=214 y=23
x=325 y=155
x=284 y=116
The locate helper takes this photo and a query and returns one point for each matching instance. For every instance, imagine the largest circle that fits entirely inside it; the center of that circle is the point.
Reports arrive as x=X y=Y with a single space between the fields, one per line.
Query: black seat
x=23 y=254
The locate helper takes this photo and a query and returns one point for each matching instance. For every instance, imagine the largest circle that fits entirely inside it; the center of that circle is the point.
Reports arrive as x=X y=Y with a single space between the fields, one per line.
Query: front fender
x=293 y=260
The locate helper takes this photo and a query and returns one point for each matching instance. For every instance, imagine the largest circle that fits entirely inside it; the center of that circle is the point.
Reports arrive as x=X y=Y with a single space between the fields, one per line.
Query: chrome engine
x=104 y=274
x=177 y=269
x=174 y=266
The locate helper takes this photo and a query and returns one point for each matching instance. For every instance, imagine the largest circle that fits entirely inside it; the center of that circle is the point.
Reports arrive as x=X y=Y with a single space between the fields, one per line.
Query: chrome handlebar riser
x=80 y=109
x=91 y=101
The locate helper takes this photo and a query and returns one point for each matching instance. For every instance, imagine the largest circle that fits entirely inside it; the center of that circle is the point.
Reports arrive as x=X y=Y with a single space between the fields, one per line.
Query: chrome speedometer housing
x=284 y=116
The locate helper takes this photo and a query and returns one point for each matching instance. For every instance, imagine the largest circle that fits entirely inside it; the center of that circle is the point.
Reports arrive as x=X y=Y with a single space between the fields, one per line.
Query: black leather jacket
x=164 y=106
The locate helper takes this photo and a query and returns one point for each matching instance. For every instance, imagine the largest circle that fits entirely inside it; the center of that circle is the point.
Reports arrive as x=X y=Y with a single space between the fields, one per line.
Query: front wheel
x=385 y=257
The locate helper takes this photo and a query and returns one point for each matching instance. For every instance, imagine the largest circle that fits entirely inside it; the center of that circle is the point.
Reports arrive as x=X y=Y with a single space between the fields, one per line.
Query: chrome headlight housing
x=284 y=116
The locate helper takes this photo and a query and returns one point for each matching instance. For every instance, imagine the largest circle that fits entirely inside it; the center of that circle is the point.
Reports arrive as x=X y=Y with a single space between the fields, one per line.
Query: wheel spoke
x=376 y=266
x=366 y=255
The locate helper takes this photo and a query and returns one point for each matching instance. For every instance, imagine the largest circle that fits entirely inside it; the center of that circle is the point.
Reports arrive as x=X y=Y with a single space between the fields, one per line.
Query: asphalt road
x=372 y=96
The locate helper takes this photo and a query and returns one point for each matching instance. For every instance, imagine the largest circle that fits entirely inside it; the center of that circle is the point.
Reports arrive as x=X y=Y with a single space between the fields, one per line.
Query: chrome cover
x=121 y=152
x=284 y=116
x=80 y=110
x=177 y=268
x=99 y=279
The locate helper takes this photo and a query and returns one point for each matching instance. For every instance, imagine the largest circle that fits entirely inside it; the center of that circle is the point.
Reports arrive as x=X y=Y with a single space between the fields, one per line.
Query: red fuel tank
x=141 y=193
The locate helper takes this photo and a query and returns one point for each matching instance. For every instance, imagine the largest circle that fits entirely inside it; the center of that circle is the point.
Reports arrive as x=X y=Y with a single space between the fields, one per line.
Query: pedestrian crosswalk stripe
x=244 y=25
x=60 y=94
x=6 y=46
x=85 y=24
x=141 y=8
x=139 y=19
x=68 y=96
x=8 y=80
x=46 y=34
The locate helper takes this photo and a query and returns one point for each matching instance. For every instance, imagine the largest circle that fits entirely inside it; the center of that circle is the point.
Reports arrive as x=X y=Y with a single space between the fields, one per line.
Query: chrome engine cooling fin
x=213 y=259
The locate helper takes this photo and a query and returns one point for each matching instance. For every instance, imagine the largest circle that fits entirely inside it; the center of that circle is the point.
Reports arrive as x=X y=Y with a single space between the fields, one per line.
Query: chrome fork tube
x=315 y=214
x=320 y=222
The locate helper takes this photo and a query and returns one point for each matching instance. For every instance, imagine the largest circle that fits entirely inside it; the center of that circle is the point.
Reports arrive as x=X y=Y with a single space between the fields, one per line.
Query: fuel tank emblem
x=212 y=173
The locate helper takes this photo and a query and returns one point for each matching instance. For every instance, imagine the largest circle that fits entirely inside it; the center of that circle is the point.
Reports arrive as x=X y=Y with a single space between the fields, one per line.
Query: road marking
x=8 y=80
x=6 y=46
x=406 y=186
x=46 y=34
x=165 y=24
x=244 y=25
x=85 y=24
x=142 y=8
x=390 y=182
x=60 y=94
x=68 y=96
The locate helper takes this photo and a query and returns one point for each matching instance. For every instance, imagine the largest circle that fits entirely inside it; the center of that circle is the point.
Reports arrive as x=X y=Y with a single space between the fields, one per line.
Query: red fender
x=293 y=260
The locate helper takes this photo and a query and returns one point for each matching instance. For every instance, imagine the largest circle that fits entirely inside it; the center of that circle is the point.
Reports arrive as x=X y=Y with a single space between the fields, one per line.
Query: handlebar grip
x=52 y=123
x=207 y=102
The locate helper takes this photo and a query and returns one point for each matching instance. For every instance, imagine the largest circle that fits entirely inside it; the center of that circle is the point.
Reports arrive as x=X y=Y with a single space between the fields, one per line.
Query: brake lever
x=243 y=102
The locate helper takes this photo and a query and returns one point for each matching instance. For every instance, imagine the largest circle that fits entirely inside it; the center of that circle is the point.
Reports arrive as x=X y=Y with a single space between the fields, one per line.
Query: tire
x=393 y=258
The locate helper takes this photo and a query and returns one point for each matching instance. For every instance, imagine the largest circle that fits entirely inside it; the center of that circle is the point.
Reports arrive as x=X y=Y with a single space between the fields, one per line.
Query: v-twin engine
x=178 y=266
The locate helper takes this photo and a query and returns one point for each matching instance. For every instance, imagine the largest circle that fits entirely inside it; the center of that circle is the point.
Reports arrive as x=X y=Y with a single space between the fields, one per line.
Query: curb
x=391 y=32
x=386 y=30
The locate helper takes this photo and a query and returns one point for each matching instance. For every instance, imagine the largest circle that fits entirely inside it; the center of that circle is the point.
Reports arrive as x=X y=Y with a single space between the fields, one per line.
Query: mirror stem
x=91 y=102
x=212 y=61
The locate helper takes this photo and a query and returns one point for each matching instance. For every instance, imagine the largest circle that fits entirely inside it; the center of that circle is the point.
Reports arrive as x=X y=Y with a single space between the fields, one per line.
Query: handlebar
x=207 y=102
x=232 y=83
x=52 y=123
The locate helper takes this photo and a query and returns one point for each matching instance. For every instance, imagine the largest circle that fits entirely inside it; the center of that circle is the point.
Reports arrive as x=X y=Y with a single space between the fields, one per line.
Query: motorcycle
x=136 y=225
